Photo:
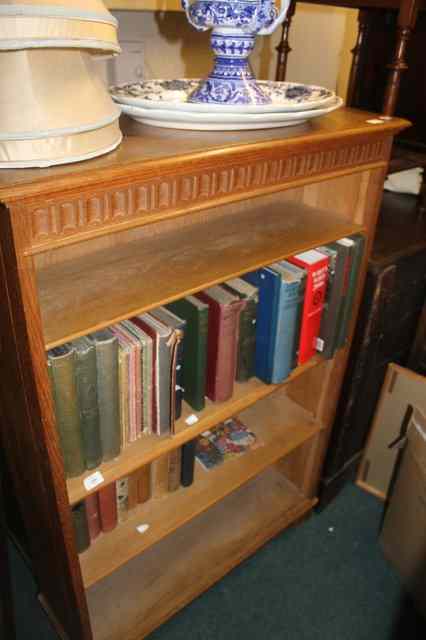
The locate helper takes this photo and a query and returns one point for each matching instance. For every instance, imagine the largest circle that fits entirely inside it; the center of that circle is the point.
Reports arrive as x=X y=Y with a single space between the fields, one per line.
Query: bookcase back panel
x=164 y=264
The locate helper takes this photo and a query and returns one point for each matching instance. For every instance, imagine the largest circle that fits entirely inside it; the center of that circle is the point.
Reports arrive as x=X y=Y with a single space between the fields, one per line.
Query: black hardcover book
x=188 y=462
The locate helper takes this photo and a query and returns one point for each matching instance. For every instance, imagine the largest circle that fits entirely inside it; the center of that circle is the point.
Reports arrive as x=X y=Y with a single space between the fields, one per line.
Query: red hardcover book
x=93 y=517
x=108 y=507
x=316 y=267
x=223 y=330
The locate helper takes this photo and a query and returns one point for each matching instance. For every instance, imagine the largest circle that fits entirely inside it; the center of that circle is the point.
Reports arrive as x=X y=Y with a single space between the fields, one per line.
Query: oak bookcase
x=85 y=245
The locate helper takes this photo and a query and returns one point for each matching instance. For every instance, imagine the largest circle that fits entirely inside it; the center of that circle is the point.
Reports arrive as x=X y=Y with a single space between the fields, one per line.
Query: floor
x=326 y=579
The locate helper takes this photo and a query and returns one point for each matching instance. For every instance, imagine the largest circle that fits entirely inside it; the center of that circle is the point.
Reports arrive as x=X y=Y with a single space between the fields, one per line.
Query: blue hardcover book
x=287 y=333
x=269 y=284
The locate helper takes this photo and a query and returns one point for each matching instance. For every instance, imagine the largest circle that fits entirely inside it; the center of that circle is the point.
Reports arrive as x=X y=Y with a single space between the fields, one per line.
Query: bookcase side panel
x=28 y=436
x=365 y=211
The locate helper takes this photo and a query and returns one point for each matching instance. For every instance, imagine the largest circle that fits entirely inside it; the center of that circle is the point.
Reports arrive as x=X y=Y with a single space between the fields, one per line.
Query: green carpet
x=325 y=579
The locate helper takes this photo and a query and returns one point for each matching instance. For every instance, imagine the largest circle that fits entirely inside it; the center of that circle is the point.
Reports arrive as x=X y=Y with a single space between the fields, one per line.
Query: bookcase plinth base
x=152 y=587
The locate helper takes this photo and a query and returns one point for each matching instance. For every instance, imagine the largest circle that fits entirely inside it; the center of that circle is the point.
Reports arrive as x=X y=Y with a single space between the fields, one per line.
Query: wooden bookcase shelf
x=166 y=263
x=280 y=424
x=148 y=448
x=84 y=246
x=170 y=574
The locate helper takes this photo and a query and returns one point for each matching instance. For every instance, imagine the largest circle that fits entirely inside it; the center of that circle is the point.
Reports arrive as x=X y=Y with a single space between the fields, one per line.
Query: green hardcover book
x=196 y=314
x=61 y=362
x=247 y=329
x=106 y=345
x=86 y=378
x=357 y=242
x=81 y=527
x=338 y=254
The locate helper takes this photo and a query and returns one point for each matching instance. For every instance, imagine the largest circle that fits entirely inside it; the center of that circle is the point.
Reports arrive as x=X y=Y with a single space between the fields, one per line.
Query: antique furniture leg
x=357 y=53
x=283 y=47
x=406 y=21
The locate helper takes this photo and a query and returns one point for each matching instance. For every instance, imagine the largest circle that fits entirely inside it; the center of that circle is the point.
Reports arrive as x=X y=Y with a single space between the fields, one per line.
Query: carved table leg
x=284 y=47
x=357 y=53
x=406 y=21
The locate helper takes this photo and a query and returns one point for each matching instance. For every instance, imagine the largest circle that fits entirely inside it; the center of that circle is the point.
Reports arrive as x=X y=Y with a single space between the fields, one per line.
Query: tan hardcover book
x=175 y=460
x=122 y=488
x=144 y=483
x=133 y=497
x=123 y=381
x=160 y=476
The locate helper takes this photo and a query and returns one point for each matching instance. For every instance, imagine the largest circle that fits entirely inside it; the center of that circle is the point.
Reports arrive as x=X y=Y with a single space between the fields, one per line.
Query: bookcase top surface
x=150 y=148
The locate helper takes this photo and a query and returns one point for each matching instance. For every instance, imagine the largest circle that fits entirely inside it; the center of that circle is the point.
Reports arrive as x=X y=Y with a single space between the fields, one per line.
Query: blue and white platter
x=220 y=121
x=174 y=95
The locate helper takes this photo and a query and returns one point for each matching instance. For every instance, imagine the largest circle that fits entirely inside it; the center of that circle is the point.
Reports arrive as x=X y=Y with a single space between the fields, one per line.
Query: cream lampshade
x=53 y=109
x=83 y=24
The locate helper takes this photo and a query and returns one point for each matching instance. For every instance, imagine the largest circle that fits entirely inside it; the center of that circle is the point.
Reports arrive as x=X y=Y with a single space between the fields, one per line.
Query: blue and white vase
x=235 y=25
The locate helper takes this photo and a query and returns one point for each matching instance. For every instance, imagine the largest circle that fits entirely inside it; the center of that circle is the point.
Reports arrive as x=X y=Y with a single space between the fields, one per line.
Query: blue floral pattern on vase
x=234 y=24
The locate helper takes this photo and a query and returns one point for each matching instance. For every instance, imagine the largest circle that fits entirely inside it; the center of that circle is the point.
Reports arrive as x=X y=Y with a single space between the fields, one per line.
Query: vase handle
x=266 y=31
x=186 y=5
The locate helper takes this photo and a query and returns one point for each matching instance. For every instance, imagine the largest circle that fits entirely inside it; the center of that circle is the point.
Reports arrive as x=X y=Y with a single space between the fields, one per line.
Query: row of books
x=111 y=505
x=102 y=511
x=113 y=386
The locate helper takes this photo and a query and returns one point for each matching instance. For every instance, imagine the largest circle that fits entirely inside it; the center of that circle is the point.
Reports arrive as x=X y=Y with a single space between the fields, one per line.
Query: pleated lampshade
x=53 y=109
x=83 y=24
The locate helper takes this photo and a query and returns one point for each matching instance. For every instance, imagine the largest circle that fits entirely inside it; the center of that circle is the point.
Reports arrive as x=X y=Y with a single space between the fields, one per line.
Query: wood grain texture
x=279 y=436
x=165 y=265
x=189 y=561
x=148 y=448
x=29 y=437
x=162 y=190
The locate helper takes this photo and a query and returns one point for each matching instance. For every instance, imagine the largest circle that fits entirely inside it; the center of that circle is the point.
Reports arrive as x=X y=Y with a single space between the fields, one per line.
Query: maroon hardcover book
x=108 y=507
x=93 y=517
x=224 y=317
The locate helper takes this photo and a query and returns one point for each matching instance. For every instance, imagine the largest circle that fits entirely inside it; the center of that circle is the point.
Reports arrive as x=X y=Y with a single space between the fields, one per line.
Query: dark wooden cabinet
x=393 y=297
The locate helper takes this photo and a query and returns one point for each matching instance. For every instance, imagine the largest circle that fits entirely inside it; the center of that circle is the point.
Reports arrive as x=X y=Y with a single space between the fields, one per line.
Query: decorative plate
x=223 y=121
x=173 y=95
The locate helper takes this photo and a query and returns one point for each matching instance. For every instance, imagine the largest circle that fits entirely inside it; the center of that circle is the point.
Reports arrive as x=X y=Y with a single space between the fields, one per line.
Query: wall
x=320 y=37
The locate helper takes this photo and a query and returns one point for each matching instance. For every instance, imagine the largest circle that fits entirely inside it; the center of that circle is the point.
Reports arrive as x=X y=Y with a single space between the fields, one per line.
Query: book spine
x=122 y=492
x=227 y=352
x=286 y=332
x=147 y=388
x=123 y=382
x=175 y=466
x=81 y=529
x=298 y=321
x=160 y=476
x=86 y=376
x=133 y=498
x=179 y=381
x=144 y=483
x=108 y=507
x=188 y=463
x=108 y=398
x=353 y=278
x=247 y=342
x=312 y=310
x=62 y=374
x=93 y=518
x=197 y=398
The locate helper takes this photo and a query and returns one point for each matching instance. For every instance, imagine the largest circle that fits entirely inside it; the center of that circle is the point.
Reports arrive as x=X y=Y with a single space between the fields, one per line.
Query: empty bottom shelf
x=143 y=593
